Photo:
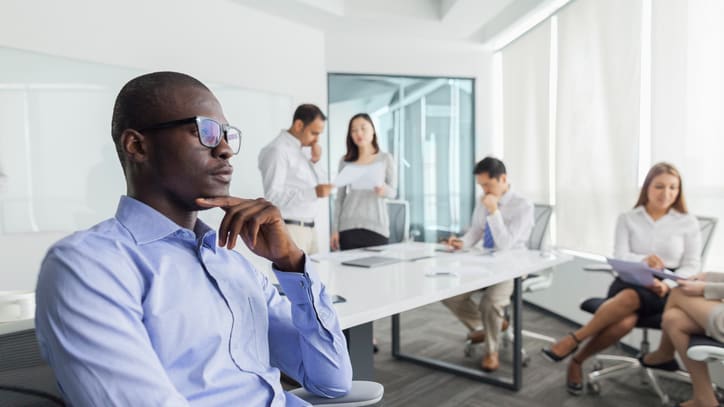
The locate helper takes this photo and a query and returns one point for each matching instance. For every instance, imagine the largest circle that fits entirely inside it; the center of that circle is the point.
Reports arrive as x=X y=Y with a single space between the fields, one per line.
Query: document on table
x=638 y=273
x=365 y=176
x=339 y=257
x=457 y=270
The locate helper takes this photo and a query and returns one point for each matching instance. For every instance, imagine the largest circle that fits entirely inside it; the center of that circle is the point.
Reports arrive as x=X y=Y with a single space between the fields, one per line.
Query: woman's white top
x=675 y=238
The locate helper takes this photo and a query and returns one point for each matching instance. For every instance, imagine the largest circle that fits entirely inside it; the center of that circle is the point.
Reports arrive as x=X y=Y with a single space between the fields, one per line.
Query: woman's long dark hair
x=352 y=149
x=658 y=169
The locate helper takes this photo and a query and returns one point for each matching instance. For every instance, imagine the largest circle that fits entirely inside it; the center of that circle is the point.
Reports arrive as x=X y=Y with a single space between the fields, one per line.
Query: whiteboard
x=59 y=171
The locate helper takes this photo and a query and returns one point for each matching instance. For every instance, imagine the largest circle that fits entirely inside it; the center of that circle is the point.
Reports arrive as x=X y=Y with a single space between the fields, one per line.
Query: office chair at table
x=363 y=393
x=531 y=283
x=26 y=380
x=399 y=215
x=707 y=349
x=631 y=364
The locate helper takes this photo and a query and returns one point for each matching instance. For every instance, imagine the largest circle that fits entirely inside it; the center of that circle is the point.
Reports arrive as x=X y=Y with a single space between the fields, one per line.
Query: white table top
x=378 y=292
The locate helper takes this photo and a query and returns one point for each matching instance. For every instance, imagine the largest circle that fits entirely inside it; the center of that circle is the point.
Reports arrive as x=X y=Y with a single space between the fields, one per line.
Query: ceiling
x=470 y=21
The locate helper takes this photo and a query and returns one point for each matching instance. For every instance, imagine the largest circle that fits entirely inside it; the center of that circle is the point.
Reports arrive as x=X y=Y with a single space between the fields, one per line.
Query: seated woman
x=659 y=232
x=695 y=307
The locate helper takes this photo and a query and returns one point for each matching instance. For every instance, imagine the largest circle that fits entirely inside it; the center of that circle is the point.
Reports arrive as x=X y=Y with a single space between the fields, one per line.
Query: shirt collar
x=289 y=137
x=507 y=196
x=147 y=225
x=671 y=213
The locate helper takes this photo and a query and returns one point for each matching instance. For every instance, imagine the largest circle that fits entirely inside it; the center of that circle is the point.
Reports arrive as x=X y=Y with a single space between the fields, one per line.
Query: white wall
x=242 y=48
x=389 y=56
x=215 y=40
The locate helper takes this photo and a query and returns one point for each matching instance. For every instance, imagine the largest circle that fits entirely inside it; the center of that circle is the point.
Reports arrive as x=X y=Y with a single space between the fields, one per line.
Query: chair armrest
x=704 y=348
x=363 y=393
x=538 y=281
x=598 y=267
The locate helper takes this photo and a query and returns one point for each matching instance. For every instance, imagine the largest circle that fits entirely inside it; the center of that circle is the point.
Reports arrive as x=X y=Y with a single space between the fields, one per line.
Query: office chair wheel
x=593 y=388
x=469 y=349
x=597 y=366
x=526 y=360
x=719 y=394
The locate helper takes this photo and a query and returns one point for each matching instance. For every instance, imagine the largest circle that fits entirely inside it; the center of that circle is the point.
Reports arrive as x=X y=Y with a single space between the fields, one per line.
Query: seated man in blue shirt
x=146 y=309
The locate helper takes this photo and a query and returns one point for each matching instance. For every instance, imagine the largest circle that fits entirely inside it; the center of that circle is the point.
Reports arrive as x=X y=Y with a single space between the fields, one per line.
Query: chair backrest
x=707 y=226
x=399 y=214
x=542 y=216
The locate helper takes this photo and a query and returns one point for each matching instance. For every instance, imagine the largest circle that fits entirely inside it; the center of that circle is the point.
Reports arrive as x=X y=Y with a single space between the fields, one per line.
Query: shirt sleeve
x=477 y=227
x=305 y=339
x=622 y=242
x=518 y=228
x=89 y=324
x=714 y=291
x=338 y=201
x=273 y=168
x=714 y=277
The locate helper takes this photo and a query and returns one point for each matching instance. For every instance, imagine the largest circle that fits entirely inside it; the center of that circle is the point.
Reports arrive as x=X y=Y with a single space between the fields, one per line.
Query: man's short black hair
x=142 y=100
x=308 y=113
x=492 y=166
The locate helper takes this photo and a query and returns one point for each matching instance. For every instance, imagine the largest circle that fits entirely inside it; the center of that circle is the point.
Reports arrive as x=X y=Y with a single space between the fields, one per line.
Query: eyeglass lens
x=210 y=133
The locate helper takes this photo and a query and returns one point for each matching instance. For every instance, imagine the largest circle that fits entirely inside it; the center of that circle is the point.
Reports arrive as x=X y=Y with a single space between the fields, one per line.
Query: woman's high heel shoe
x=554 y=357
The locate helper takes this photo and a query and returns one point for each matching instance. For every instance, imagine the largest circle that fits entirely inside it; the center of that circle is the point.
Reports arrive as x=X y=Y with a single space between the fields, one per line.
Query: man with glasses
x=291 y=179
x=150 y=307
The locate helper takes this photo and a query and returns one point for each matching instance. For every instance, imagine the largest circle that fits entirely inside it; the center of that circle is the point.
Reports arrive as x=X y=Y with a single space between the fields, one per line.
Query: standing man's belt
x=299 y=223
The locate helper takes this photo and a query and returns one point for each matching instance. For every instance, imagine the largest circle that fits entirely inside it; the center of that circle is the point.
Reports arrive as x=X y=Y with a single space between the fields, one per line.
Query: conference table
x=420 y=275
x=423 y=274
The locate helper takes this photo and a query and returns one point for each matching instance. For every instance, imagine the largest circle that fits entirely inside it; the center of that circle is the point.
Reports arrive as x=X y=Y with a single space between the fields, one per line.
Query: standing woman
x=360 y=215
x=659 y=232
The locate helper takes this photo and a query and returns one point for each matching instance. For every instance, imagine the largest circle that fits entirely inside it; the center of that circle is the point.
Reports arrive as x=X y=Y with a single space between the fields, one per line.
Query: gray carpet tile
x=433 y=331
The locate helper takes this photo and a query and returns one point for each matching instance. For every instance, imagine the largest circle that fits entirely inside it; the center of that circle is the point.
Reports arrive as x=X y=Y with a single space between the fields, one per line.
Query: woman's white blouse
x=675 y=238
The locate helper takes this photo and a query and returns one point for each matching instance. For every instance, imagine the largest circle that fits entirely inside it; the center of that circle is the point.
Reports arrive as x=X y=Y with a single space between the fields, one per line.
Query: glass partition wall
x=427 y=124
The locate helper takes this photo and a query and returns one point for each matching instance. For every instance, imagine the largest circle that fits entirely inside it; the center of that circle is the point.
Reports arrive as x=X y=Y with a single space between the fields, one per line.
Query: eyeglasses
x=209 y=131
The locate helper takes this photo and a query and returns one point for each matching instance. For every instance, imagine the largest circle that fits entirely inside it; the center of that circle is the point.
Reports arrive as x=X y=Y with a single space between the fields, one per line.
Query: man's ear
x=298 y=126
x=135 y=146
x=504 y=178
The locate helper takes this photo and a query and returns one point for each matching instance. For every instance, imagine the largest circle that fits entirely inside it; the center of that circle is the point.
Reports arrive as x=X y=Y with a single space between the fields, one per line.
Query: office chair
x=531 y=283
x=399 y=214
x=630 y=364
x=363 y=393
x=707 y=349
x=26 y=380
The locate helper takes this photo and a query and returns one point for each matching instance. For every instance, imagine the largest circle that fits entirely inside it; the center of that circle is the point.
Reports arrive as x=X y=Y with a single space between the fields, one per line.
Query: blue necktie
x=488 y=242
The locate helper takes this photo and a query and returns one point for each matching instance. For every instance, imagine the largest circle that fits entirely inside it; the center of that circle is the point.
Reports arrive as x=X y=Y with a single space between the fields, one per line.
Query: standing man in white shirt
x=290 y=177
x=501 y=220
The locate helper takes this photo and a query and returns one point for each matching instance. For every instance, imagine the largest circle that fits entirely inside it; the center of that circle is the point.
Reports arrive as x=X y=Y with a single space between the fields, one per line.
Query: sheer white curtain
x=597 y=121
x=688 y=104
x=526 y=67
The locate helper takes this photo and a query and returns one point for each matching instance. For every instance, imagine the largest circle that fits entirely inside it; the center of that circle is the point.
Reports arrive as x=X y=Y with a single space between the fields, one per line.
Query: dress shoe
x=478 y=335
x=669 y=365
x=574 y=387
x=554 y=357
x=490 y=362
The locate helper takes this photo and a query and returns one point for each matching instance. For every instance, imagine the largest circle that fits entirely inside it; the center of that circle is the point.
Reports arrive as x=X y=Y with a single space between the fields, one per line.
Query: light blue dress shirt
x=138 y=311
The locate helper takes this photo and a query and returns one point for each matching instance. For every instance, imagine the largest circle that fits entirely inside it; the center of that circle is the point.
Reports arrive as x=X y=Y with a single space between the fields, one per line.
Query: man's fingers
x=254 y=224
x=247 y=205
x=244 y=219
x=235 y=227
x=221 y=201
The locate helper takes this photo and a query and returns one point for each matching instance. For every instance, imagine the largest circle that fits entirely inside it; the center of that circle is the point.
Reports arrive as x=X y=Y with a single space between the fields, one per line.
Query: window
x=427 y=125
